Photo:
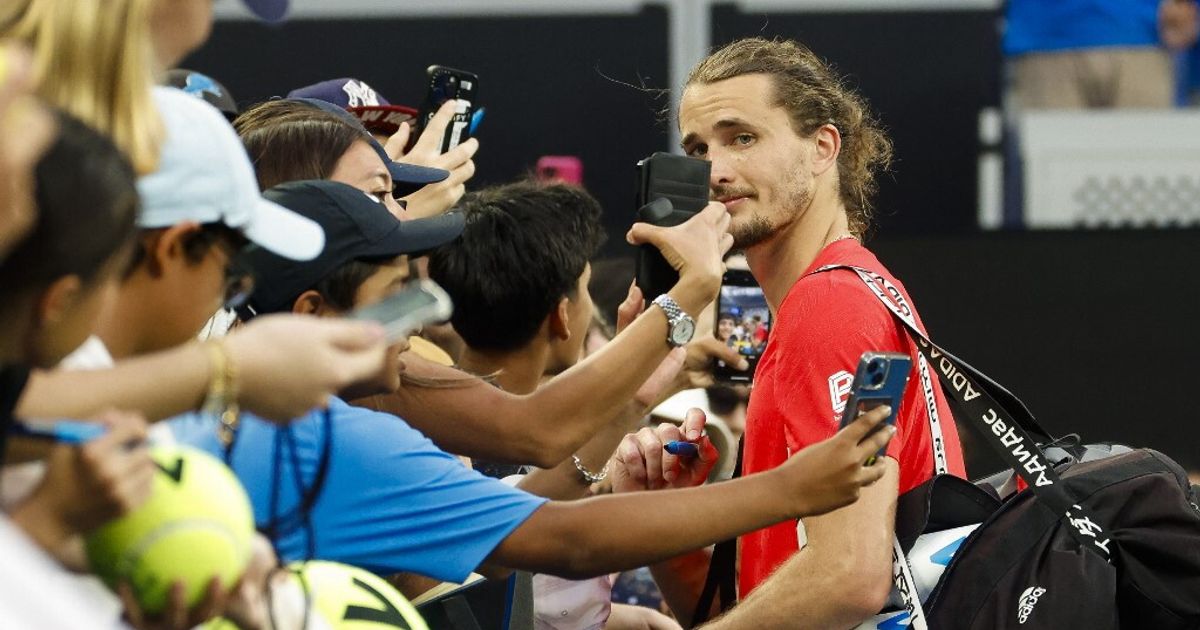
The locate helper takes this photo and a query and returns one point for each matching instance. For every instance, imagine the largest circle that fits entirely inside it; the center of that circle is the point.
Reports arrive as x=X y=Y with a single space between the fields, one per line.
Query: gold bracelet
x=588 y=475
x=221 y=400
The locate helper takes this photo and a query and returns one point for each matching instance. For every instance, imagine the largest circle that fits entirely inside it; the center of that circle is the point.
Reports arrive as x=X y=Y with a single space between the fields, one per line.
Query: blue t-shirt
x=1049 y=25
x=391 y=500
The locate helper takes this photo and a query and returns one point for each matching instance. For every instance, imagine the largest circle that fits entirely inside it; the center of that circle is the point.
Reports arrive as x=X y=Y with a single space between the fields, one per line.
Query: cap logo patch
x=198 y=84
x=360 y=94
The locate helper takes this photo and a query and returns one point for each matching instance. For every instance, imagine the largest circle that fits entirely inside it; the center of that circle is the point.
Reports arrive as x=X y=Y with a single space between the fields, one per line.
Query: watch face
x=682 y=331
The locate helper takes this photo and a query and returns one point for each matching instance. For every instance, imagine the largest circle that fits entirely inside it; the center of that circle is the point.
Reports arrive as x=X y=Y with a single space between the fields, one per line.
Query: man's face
x=725 y=329
x=760 y=166
x=390 y=278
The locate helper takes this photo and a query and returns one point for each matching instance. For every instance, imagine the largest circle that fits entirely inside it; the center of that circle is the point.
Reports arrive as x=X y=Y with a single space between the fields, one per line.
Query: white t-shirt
x=36 y=592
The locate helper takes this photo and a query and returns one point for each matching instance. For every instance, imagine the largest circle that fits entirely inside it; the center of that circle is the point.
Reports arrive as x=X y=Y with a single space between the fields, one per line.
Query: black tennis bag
x=1024 y=567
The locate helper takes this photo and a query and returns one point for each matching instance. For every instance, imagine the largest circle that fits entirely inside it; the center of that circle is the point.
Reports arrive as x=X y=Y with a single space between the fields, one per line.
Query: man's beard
x=757 y=228
x=754 y=231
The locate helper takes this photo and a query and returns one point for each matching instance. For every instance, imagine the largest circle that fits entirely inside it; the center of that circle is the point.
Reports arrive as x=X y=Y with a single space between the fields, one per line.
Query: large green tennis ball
x=197 y=525
x=349 y=598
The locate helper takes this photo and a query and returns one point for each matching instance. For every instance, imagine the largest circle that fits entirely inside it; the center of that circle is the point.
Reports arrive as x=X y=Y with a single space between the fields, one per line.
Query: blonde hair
x=95 y=60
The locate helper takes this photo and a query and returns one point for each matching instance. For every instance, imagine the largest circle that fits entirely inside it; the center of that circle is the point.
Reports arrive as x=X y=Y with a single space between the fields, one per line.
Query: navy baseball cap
x=268 y=10
x=205 y=88
x=406 y=178
x=355 y=96
x=356 y=226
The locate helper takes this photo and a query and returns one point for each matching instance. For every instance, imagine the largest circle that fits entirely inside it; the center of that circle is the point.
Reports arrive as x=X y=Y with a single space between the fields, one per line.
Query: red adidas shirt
x=826 y=321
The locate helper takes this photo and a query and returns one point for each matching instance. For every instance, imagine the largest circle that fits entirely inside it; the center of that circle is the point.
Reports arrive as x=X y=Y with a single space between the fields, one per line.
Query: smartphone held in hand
x=419 y=304
x=447 y=84
x=880 y=379
x=743 y=322
x=670 y=190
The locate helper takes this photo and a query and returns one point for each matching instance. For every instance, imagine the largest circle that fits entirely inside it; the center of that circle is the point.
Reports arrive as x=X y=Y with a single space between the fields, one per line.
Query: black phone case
x=466 y=88
x=671 y=189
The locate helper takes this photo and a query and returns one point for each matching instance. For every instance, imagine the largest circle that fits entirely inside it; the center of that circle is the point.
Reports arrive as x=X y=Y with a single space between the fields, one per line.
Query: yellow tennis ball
x=349 y=598
x=197 y=525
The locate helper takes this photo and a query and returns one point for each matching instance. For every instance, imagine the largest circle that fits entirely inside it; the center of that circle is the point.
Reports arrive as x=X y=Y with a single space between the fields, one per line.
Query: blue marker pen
x=682 y=449
x=476 y=120
x=62 y=431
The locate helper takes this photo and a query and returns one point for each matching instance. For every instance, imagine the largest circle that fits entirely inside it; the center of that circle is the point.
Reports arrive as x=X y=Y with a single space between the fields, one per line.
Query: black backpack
x=1103 y=536
x=1025 y=568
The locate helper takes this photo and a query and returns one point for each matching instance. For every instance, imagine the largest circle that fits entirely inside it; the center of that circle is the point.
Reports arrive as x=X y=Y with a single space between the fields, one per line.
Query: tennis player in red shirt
x=794 y=155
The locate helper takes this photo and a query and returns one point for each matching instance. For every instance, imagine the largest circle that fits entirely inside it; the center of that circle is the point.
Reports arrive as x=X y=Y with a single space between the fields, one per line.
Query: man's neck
x=778 y=262
x=123 y=328
x=518 y=371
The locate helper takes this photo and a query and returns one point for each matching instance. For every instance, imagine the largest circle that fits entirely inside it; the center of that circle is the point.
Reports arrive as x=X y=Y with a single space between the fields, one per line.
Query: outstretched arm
x=286 y=365
x=548 y=425
x=593 y=536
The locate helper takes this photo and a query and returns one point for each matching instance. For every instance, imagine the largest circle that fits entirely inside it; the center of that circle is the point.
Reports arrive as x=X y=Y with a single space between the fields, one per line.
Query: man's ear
x=560 y=321
x=310 y=303
x=827 y=145
x=57 y=300
x=169 y=247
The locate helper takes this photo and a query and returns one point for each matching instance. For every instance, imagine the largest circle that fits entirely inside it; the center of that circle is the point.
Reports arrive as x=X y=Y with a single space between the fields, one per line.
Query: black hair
x=523 y=249
x=87 y=204
x=196 y=245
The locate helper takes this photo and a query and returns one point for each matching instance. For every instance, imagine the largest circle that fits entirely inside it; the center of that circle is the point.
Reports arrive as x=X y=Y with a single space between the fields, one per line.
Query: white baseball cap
x=204 y=175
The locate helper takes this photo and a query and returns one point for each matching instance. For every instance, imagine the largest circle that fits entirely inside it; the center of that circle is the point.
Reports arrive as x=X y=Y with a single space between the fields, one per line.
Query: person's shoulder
x=370 y=428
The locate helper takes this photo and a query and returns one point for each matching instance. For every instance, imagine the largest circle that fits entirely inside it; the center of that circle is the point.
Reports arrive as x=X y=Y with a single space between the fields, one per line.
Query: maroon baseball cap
x=358 y=98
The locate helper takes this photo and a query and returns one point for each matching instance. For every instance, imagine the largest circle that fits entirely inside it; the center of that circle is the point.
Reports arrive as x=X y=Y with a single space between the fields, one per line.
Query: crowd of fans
x=139 y=206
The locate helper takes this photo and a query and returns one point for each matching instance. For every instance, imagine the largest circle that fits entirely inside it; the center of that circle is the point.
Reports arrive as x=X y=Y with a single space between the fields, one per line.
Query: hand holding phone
x=448 y=84
x=880 y=379
x=419 y=304
x=671 y=189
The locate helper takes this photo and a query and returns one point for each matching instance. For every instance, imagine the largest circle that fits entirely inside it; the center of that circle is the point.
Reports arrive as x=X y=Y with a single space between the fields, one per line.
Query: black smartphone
x=670 y=190
x=421 y=303
x=880 y=379
x=743 y=322
x=447 y=84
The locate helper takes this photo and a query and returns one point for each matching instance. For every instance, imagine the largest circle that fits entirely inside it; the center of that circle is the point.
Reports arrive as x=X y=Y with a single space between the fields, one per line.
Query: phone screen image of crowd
x=743 y=320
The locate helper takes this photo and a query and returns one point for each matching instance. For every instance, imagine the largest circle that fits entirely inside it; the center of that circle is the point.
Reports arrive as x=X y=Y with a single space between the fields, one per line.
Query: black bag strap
x=1008 y=428
x=722 y=569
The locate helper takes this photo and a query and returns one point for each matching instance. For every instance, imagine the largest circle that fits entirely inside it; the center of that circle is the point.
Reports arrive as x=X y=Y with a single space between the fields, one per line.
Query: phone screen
x=743 y=323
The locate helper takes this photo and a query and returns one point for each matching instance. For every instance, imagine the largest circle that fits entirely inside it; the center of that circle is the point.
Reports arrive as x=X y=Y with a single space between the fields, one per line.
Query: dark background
x=542 y=80
x=1097 y=331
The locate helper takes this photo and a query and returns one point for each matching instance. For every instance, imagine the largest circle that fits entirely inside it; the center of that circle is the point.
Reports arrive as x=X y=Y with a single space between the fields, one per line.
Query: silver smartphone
x=420 y=303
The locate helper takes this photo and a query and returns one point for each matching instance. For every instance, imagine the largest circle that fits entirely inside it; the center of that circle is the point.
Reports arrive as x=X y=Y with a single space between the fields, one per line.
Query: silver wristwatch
x=680 y=325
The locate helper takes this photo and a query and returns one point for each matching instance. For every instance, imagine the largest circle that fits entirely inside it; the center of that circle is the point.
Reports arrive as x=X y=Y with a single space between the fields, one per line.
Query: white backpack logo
x=1029 y=599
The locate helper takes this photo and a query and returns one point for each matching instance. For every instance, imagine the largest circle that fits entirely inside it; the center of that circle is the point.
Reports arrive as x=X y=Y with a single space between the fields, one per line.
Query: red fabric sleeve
x=828 y=328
